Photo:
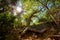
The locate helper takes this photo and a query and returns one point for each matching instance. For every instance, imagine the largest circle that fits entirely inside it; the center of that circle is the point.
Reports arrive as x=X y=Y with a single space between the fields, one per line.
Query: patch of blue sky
x=49 y=5
x=40 y=7
x=42 y=14
x=39 y=16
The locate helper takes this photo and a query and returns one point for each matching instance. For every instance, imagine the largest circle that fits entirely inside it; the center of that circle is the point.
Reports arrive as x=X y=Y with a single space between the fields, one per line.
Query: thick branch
x=29 y=19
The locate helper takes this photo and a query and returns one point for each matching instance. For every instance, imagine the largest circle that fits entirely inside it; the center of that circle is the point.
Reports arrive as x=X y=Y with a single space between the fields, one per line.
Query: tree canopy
x=27 y=13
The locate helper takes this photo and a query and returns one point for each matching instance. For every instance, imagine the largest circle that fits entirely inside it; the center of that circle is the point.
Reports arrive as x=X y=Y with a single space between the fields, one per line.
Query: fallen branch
x=54 y=36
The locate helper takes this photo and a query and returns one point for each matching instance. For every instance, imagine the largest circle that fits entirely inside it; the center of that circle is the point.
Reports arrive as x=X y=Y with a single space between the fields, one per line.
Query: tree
x=45 y=6
x=34 y=12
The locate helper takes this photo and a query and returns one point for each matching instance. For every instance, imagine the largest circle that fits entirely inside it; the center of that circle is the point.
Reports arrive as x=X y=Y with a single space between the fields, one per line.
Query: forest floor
x=34 y=36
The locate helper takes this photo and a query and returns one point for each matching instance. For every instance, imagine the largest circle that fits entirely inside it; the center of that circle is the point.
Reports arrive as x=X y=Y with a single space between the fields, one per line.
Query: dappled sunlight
x=29 y=19
x=18 y=8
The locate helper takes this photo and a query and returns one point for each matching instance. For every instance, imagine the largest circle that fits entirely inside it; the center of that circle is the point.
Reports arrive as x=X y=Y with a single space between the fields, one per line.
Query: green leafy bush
x=6 y=23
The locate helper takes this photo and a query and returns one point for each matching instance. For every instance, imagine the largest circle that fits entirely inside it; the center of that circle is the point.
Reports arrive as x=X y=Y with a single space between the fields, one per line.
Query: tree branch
x=29 y=19
x=50 y=13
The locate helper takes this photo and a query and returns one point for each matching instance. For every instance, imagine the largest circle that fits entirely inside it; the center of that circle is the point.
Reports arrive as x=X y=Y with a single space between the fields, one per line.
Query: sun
x=18 y=9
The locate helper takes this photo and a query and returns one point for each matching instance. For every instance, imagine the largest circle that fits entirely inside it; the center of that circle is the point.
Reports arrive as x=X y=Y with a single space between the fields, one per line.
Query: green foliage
x=31 y=5
x=34 y=12
x=6 y=23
